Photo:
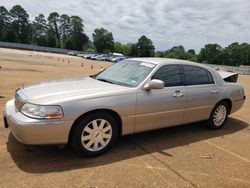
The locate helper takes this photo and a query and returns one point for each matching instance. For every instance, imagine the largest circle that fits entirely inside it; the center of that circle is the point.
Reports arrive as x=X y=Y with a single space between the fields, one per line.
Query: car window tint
x=169 y=74
x=197 y=75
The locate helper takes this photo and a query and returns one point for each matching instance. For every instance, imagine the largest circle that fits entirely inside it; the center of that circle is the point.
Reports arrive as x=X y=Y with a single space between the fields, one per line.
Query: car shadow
x=43 y=159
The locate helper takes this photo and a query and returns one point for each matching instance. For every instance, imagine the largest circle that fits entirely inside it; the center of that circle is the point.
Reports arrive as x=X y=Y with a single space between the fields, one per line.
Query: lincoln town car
x=131 y=96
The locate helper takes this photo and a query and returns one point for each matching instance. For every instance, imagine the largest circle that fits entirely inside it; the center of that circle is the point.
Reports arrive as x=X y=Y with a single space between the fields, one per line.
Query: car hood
x=57 y=91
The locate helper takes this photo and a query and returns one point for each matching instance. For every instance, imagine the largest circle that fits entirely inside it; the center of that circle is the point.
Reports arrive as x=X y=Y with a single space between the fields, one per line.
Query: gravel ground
x=183 y=156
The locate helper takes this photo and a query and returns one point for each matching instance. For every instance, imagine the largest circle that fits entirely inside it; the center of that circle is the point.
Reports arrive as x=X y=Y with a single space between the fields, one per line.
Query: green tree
x=89 y=46
x=237 y=54
x=190 y=55
x=126 y=49
x=118 y=47
x=39 y=29
x=53 y=23
x=134 y=50
x=159 y=54
x=145 y=47
x=20 y=24
x=103 y=40
x=191 y=51
x=177 y=52
x=211 y=53
x=50 y=35
x=78 y=37
x=64 y=28
x=4 y=23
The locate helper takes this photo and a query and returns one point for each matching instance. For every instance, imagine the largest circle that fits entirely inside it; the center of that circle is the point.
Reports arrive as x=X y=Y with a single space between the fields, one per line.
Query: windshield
x=128 y=73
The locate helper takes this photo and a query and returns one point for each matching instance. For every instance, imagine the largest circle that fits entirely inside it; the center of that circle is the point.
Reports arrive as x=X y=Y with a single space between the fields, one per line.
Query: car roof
x=167 y=61
x=161 y=61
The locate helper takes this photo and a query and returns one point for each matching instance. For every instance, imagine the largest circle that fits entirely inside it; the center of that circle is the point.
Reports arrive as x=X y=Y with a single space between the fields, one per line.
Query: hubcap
x=219 y=115
x=96 y=135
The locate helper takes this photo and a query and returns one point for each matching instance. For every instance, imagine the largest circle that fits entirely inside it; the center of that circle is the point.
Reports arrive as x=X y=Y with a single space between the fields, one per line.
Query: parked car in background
x=94 y=56
x=80 y=55
x=72 y=53
x=117 y=59
x=109 y=57
x=100 y=57
x=88 y=56
x=85 y=55
x=112 y=58
x=130 y=96
x=117 y=54
x=103 y=58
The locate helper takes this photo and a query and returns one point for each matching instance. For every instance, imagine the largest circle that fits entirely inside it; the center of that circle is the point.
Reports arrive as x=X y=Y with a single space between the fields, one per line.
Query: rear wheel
x=218 y=116
x=94 y=134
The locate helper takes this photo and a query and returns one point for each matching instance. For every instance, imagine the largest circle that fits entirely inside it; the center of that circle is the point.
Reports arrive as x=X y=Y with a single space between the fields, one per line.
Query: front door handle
x=214 y=91
x=177 y=94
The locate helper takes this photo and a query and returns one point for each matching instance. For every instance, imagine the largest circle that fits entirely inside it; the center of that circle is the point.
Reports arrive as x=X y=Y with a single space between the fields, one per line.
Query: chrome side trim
x=201 y=107
x=170 y=111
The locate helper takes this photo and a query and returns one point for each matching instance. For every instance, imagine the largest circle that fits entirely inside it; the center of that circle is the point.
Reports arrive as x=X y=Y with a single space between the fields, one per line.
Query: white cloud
x=191 y=23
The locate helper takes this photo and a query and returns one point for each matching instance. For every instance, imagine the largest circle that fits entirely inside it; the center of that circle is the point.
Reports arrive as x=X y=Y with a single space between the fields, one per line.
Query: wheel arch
x=229 y=103
x=109 y=111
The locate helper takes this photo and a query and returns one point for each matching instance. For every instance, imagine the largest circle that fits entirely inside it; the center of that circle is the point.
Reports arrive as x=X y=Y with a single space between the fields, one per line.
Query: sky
x=168 y=23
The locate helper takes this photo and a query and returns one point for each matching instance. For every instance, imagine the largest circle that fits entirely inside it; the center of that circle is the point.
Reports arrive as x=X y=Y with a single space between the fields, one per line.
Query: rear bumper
x=237 y=105
x=35 y=131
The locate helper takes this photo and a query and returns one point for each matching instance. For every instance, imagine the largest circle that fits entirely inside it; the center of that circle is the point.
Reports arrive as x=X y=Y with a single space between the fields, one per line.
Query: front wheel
x=218 y=116
x=94 y=134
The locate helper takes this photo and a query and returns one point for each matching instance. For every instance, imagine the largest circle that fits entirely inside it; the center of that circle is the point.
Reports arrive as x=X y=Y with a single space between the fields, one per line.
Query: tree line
x=234 y=54
x=63 y=31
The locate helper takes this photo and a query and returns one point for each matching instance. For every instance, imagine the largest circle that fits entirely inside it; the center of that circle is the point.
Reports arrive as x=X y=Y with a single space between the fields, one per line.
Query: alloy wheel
x=220 y=115
x=96 y=135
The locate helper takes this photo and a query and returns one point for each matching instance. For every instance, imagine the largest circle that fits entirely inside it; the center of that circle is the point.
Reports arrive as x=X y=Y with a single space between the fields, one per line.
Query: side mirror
x=154 y=84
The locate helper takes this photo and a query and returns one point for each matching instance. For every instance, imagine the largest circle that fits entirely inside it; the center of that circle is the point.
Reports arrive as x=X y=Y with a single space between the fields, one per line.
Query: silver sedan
x=131 y=96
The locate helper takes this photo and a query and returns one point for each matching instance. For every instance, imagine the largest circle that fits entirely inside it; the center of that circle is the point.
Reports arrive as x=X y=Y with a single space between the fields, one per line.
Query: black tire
x=82 y=123
x=211 y=124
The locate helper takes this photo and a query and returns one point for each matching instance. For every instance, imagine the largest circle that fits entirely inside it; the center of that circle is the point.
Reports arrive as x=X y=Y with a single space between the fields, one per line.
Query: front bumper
x=35 y=131
x=5 y=120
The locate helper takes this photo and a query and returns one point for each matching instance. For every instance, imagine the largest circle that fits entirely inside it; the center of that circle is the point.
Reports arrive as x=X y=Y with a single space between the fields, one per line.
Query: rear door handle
x=214 y=91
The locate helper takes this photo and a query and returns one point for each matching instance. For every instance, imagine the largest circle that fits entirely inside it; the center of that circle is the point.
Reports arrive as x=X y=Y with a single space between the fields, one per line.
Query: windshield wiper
x=105 y=80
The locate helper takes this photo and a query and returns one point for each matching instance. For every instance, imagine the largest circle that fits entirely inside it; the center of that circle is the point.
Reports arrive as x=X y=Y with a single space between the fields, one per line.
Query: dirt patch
x=13 y=69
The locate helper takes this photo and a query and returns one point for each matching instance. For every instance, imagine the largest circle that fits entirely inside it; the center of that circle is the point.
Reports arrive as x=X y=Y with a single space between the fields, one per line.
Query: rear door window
x=197 y=76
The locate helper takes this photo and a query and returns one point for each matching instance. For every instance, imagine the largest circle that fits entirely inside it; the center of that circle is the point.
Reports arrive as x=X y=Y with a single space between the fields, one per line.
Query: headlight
x=42 y=112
